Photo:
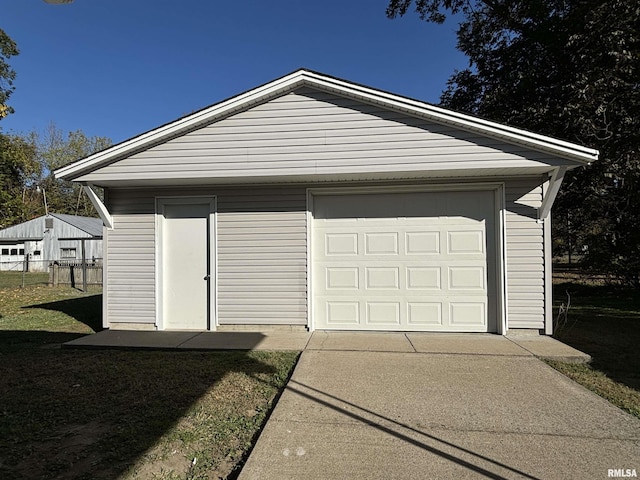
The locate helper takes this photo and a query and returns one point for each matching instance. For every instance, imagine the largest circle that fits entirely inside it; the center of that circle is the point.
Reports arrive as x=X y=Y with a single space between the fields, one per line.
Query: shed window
x=37 y=253
x=14 y=251
x=5 y=251
x=48 y=223
x=67 y=253
x=22 y=251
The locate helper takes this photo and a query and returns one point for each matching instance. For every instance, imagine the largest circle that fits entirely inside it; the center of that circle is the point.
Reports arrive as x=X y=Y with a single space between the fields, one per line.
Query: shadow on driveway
x=404 y=433
x=359 y=414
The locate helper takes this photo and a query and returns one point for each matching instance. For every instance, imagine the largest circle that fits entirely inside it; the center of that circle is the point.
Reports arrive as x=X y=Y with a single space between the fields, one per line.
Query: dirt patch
x=162 y=461
x=177 y=460
x=68 y=453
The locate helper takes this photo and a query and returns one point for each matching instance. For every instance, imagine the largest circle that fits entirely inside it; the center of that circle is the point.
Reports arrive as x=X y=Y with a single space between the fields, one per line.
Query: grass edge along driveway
x=603 y=321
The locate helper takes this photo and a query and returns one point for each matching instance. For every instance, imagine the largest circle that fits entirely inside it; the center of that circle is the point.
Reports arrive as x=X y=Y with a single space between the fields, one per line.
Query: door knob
x=206 y=277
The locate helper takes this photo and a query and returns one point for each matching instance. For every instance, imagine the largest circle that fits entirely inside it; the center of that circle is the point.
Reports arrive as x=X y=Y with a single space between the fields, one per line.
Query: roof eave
x=559 y=147
x=4 y=240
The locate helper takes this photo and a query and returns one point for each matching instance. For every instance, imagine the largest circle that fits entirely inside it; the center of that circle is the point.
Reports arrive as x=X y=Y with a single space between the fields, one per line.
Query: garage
x=405 y=261
x=338 y=206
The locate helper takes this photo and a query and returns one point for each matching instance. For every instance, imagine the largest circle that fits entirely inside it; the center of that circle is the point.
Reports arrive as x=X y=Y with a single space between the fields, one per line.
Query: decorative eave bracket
x=552 y=191
x=99 y=206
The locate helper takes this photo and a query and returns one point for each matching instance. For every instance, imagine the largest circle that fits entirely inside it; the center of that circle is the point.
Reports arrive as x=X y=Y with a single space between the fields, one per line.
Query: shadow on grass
x=94 y=414
x=604 y=321
x=87 y=309
x=19 y=340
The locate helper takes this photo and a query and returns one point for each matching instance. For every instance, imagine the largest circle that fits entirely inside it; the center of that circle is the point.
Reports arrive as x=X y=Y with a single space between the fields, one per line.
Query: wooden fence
x=72 y=274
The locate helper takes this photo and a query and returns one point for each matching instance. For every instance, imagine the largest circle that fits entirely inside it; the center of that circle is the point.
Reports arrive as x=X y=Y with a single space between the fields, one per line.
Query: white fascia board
x=99 y=206
x=305 y=77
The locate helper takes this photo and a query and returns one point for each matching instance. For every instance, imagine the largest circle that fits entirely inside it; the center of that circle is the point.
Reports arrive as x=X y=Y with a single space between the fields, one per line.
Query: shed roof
x=32 y=229
x=561 y=149
x=91 y=225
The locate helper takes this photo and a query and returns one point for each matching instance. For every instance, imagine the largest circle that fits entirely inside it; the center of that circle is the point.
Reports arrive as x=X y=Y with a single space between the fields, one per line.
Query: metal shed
x=56 y=237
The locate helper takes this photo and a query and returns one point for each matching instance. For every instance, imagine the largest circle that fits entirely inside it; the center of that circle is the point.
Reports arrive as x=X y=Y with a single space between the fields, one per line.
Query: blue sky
x=117 y=68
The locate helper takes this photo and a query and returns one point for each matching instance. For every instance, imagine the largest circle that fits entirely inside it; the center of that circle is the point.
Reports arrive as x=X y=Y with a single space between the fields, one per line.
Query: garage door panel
x=424 y=314
x=467 y=314
x=465 y=242
x=424 y=278
x=382 y=278
x=381 y=243
x=421 y=271
x=417 y=314
x=338 y=313
x=341 y=244
x=383 y=314
x=467 y=278
x=342 y=278
x=422 y=243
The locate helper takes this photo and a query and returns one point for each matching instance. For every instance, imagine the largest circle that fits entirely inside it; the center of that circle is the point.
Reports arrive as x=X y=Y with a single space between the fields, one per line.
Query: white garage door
x=404 y=261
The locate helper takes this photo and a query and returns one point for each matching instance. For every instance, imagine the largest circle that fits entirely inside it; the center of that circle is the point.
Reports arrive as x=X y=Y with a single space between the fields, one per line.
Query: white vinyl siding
x=525 y=254
x=262 y=264
x=308 y=132
x=261 y=254
x=130 y=275
x=261 y=245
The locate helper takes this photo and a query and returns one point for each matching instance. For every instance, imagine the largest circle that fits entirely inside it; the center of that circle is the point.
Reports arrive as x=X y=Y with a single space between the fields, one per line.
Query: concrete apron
x=481 y=344
x=485 y=413
x=459 y=343
x=177 y=340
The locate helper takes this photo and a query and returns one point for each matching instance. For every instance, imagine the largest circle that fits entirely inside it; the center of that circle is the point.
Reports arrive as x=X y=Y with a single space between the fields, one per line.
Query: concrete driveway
x=438 y=407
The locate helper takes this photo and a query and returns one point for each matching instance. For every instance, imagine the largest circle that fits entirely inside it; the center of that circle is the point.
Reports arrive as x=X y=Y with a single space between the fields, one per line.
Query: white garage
x=338 y=207
x=405 y=261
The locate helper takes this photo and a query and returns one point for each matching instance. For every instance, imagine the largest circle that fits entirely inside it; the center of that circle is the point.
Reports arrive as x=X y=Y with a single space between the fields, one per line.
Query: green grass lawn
x=17 y=279
x=603 y=321
x=121 y=414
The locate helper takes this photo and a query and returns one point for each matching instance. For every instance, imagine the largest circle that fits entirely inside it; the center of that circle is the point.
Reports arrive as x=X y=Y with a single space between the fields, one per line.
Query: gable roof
x=308 y=78
x=32 y=229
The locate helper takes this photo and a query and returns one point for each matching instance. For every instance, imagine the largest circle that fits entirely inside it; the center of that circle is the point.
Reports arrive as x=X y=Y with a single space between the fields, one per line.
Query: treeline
x=27 y=184
x=569 y=69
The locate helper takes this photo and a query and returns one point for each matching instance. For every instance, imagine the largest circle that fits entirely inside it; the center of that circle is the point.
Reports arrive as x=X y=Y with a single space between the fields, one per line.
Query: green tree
x=19 y=172
x=55 y=149
x=8 y=49
x=569 y=69
x=26 y=174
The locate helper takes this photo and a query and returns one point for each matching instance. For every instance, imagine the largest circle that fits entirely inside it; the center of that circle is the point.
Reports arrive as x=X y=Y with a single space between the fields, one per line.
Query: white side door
x=187 y=274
